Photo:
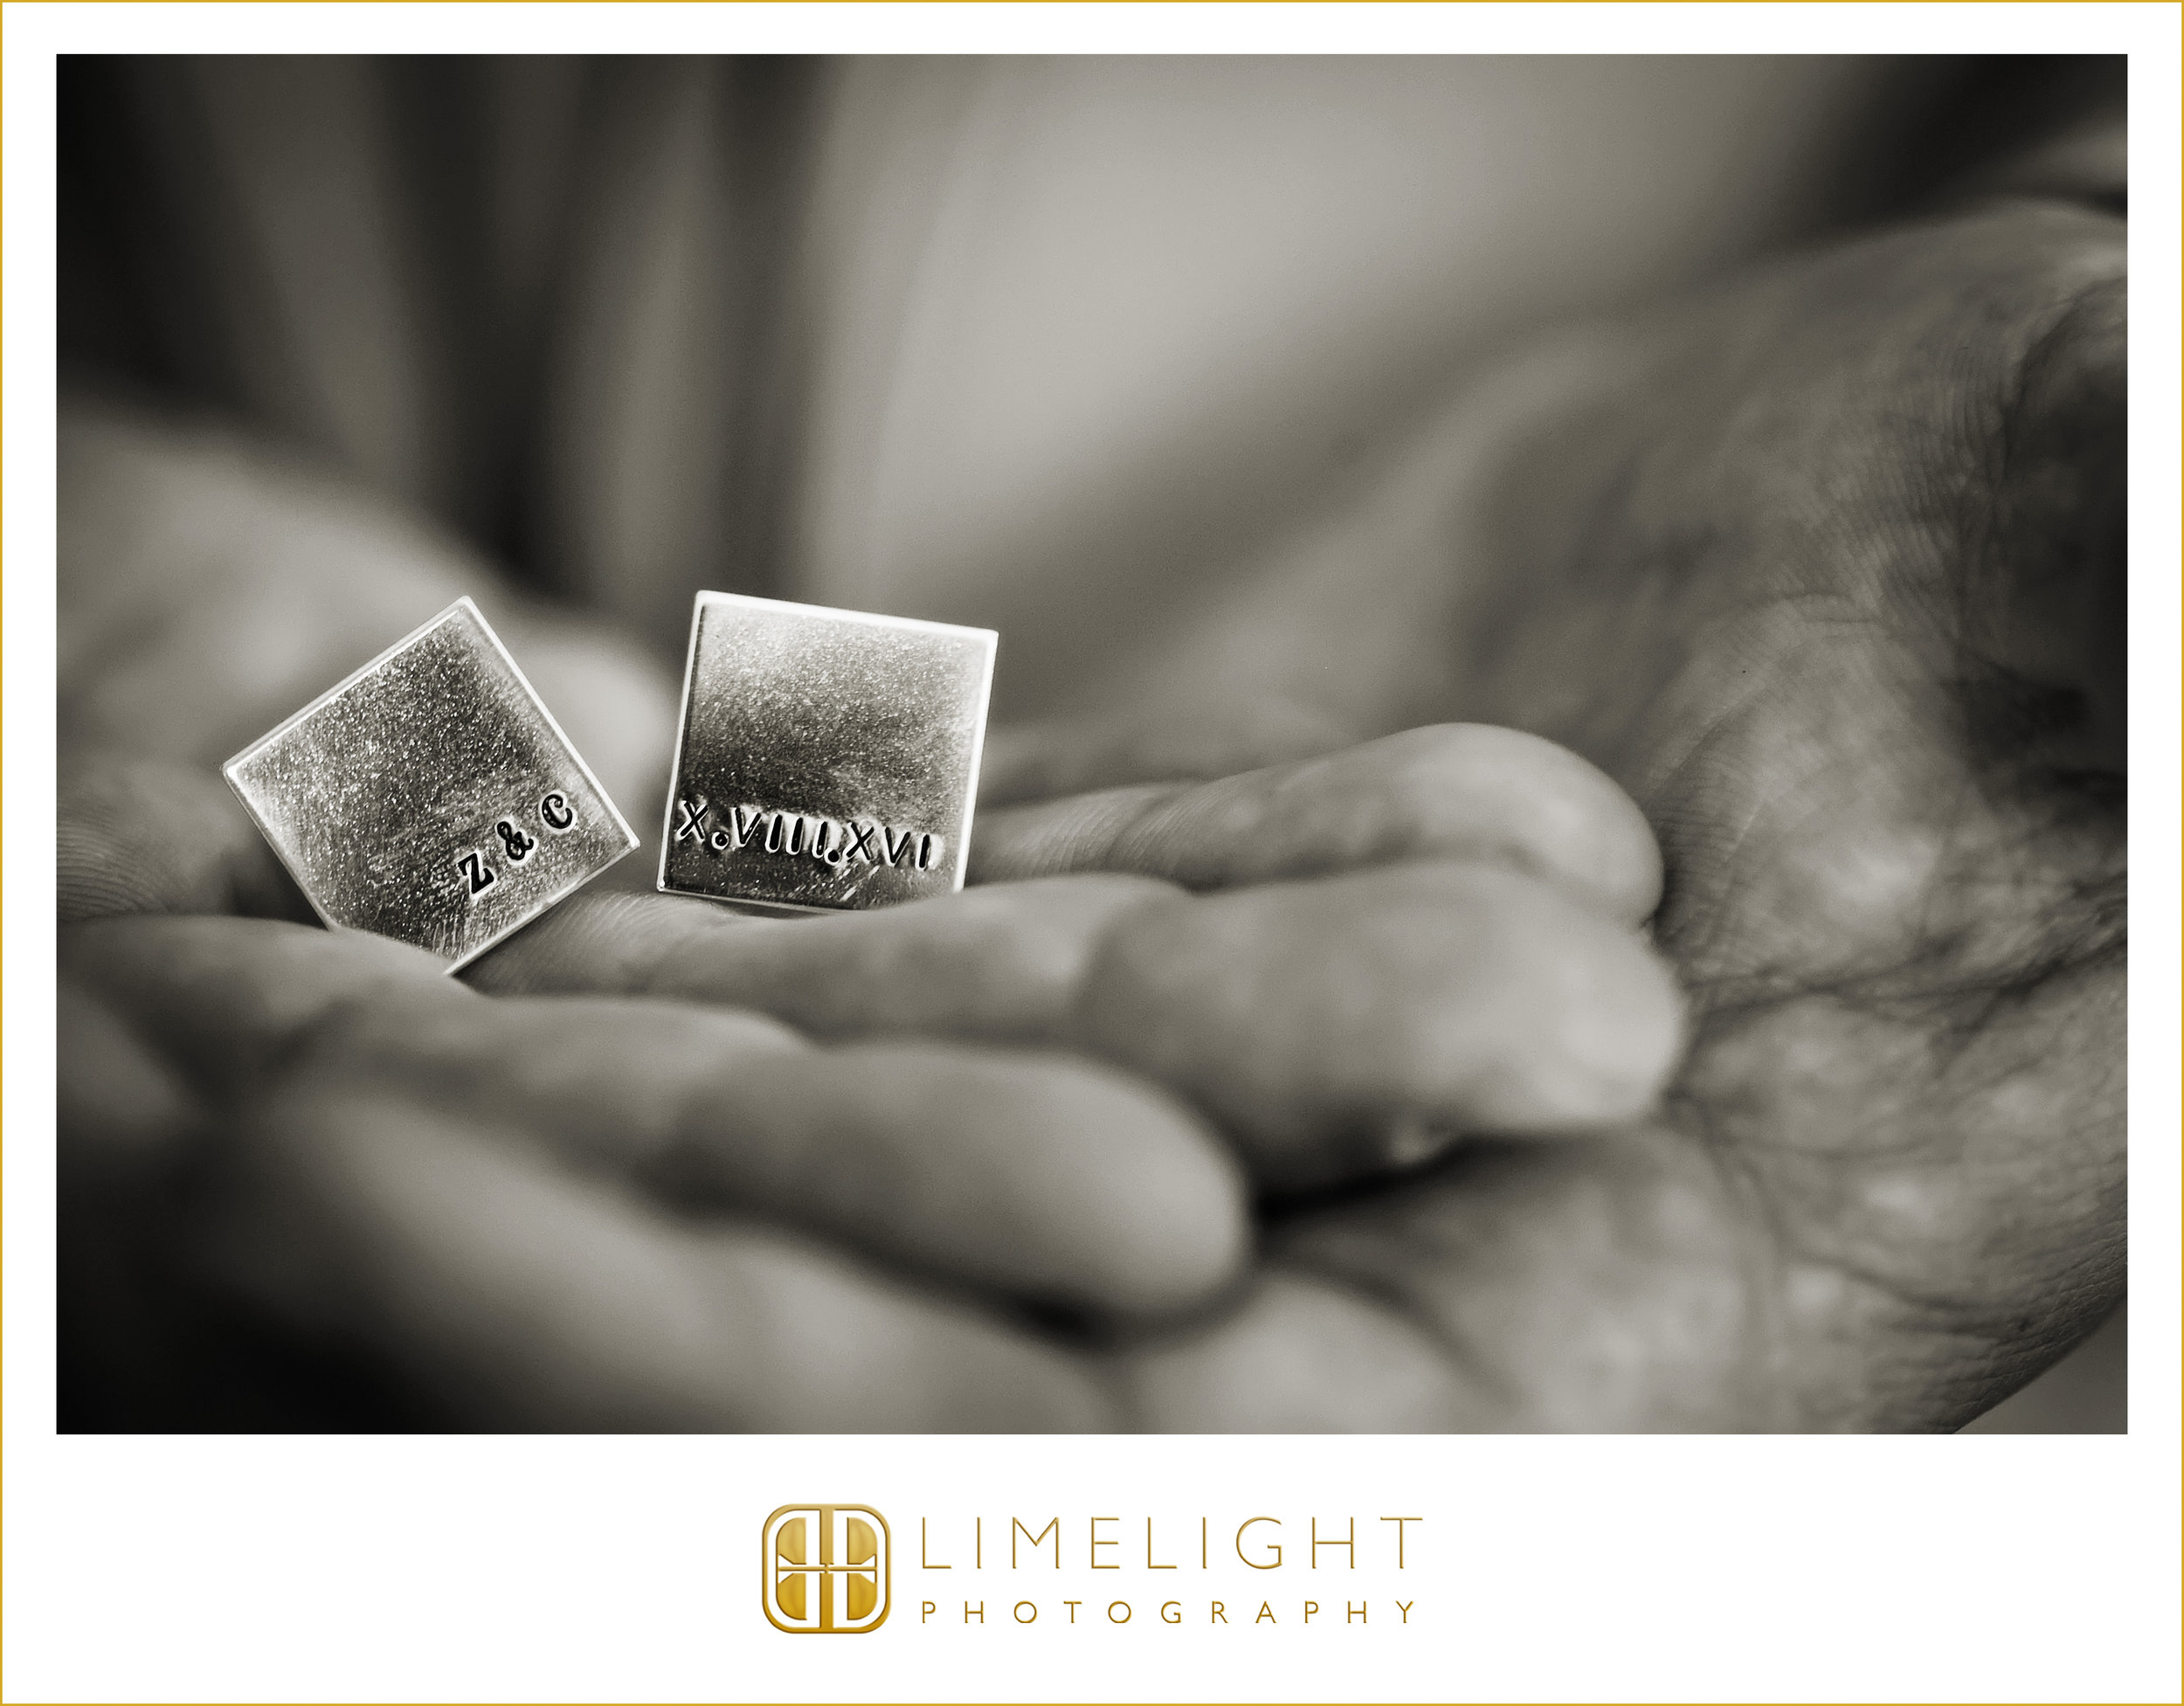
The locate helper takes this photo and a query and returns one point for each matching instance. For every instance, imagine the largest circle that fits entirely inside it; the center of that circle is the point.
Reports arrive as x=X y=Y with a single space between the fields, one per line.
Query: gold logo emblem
x=826 y=1569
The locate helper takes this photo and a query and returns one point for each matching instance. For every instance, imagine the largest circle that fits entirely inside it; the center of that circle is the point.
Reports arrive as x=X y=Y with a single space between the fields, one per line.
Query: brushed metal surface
x=431 y=797
x=826 y=759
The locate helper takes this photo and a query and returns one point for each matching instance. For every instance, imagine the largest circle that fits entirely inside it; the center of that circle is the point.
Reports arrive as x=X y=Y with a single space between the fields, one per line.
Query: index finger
x=1451 y=790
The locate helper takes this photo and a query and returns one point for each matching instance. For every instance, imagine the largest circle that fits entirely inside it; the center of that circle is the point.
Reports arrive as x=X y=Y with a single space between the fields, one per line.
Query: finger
x=120 y=1108
x=1039 y=1174
x=1002 y=964
x=1319 y=1020
x=526 y=1297
x=1326 y=1024
x=1458 y=791
x=2045 y=598
x=151 y=835
x=230 y=1003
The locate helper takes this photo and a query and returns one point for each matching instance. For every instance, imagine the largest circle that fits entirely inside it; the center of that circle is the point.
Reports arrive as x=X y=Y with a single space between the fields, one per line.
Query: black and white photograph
x=1175 y=743
x=1091 y=852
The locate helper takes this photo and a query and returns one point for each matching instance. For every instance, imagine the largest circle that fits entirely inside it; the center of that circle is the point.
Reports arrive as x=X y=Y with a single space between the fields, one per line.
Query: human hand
x=1827 y=569
x=307 y=1124
x=1895 y=882
x=1557 y=1016
x=287 y=1157
x=1389 y=946
x=603 y=1214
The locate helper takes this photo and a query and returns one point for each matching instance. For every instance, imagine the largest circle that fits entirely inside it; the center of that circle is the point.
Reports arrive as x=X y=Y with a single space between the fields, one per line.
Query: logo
x=825 y=1569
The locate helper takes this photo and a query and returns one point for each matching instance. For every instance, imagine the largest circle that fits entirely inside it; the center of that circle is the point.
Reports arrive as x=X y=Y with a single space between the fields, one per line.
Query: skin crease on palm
x=1824 y=571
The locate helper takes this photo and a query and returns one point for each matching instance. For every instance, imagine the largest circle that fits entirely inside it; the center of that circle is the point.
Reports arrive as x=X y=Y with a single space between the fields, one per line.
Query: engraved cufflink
x=826 y=759
x=431 y=797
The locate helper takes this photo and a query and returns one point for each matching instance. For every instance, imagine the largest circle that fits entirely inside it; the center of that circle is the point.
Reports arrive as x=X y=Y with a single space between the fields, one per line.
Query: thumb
x=2044 y=623
x=139 y=835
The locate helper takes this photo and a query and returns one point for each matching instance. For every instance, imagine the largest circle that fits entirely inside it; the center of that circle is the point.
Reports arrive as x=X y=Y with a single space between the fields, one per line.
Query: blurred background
x=1039 y=344
x=1004 y=341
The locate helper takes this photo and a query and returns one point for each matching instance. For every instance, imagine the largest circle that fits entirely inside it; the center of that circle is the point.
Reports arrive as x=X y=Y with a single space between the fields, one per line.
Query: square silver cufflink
x=826 y=759
x=431 y=797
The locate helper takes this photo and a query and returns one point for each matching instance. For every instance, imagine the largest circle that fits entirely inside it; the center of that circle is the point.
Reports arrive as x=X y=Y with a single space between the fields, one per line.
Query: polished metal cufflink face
x=431 y=797
x=826 y=759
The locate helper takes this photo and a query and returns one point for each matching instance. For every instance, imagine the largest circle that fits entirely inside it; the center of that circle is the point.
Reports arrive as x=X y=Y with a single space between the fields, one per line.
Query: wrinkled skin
x=1827 y=571
x=1824 y=570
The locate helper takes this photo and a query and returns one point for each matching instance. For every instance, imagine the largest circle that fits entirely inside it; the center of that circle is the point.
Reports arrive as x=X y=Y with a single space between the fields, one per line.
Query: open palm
x=1826 y=570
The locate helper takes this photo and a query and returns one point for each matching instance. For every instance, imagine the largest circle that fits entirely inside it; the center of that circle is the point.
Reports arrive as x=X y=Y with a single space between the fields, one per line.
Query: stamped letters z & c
x=516 y=846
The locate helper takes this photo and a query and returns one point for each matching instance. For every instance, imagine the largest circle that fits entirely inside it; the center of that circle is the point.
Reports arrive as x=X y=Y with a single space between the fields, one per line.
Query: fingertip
x=1107 y=1193
x=1615 y=860
x=1178 y=1227
x=1605 y=1030
x=1515 y=1009
x=1561 y=816
x=1447 y=995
